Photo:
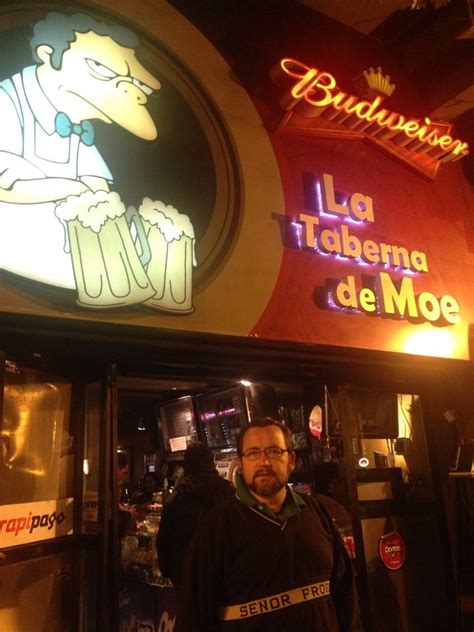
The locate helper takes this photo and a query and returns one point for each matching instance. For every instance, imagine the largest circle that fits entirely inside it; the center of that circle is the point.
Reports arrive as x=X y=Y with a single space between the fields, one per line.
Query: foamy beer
x=107 y=267
x=170 y=236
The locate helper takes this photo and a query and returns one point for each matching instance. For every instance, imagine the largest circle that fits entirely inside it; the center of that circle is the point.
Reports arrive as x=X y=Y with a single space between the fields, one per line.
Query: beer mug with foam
x=170 y=237
x=107 y=268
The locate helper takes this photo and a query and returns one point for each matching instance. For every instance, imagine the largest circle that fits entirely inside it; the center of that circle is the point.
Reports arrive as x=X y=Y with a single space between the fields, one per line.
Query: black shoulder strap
x=320 y=509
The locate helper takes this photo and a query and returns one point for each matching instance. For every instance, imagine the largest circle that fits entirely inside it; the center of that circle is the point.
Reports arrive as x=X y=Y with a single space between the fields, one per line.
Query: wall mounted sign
x=32 y=522
x=314 y=93
x=81 y=127
x=380 y=294
x=316 y=421
x=392 y=550
x=90 y=506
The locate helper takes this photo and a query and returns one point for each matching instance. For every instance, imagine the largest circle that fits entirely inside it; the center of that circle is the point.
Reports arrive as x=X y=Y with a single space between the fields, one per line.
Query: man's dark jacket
x=248 y=572
x=194 y=496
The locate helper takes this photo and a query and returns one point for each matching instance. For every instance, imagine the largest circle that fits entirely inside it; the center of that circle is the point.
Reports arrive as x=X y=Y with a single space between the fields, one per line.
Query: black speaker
x=402 y=445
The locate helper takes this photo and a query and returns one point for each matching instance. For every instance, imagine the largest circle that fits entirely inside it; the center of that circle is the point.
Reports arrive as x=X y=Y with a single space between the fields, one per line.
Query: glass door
x=388 y=477
x=54 y=509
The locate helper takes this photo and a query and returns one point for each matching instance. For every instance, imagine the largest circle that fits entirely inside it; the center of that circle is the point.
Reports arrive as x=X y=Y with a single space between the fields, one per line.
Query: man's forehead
x=107 y=51
x=270 y=435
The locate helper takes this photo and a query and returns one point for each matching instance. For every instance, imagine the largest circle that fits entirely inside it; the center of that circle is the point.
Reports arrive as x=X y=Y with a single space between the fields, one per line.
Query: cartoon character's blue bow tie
x=65 y=127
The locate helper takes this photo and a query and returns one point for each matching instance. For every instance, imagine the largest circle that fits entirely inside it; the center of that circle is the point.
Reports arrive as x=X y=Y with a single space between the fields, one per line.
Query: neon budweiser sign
x=315 y=93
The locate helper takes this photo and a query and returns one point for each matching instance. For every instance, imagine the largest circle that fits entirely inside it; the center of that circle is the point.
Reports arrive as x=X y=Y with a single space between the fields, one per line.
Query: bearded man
x=268 y=559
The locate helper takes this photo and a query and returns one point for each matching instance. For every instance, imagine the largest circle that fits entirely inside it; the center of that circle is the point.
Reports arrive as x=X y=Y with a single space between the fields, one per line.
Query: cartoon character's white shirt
x=31 y=237
x=27 y=129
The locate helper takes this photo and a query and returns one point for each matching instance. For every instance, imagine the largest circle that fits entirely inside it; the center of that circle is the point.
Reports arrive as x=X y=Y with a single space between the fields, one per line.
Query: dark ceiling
x=435 y=44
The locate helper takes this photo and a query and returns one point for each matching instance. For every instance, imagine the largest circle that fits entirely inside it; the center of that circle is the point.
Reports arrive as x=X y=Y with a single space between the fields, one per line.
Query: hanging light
x=141 y=424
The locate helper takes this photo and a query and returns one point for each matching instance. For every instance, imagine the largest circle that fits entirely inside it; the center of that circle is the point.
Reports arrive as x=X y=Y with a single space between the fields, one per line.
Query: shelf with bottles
x=326 y=450
x=303 y=461
x=293 y=416
x=136 y=550
x=138 y=558
x=138 y=553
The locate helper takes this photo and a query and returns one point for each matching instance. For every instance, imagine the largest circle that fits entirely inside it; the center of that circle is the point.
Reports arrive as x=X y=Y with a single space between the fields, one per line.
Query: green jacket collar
x=293 y=504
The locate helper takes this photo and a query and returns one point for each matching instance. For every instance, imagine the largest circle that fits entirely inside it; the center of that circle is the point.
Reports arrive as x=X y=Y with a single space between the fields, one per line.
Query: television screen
x=178 y=424
x=221 y=416
x=373 y=413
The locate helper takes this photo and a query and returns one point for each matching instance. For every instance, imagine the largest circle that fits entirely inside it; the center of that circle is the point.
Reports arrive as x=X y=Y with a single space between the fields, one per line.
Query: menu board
x=178 y=424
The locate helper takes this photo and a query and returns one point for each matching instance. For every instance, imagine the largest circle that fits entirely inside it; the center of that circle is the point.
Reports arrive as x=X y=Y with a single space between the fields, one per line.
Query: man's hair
x=150 y=475
x=59 y=31
x=198 y=459
x=264 y=422
x=122 y=460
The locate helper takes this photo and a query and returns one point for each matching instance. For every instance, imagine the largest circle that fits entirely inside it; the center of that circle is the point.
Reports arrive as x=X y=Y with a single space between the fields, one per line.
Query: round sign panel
x=122 y=169
x=167 y=161
x=392 y=550
x=316 y=421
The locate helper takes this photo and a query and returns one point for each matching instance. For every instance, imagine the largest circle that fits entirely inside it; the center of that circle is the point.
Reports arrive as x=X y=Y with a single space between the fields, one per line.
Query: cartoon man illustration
x=85 y=70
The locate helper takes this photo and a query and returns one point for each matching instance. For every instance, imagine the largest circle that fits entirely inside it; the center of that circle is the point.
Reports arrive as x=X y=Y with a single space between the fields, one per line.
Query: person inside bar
x=268 y=559
x=127 y=510
x=198 y=491
x=148 y=485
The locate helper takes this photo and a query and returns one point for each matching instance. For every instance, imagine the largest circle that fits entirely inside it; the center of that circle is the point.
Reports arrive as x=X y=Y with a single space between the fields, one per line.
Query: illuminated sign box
x=314 y=93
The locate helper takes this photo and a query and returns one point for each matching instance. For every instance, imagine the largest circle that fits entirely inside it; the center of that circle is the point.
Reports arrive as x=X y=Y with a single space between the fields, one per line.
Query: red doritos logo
x=392 y=550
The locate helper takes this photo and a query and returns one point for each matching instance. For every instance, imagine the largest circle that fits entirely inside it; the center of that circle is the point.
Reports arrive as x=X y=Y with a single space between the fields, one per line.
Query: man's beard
x=266 y=487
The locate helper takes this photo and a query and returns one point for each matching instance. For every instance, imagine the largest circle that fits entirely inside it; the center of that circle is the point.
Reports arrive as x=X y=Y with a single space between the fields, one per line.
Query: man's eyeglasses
x=253 y=454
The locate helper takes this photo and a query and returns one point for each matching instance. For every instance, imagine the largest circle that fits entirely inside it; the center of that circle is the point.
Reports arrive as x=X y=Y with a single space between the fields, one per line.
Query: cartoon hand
x=21 y=182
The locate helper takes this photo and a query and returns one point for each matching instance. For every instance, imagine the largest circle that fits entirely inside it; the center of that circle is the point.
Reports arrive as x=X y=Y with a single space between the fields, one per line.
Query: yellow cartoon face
x=100 y=79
